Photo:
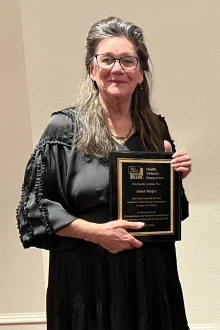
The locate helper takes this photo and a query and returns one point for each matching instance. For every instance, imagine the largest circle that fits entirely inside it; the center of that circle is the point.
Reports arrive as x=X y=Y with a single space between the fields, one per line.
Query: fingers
x=130 y=244
x=132 y=225
x=181 y=156
x=176 y=165
x=167 y=146
x=132 y=241
x=136 y=244
x=182 y=162
x=180 y=153
x=125 y=224
x=114 y=237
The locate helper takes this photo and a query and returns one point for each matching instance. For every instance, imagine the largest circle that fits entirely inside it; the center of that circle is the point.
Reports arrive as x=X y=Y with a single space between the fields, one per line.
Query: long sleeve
x=184 y=201
x=43 y=208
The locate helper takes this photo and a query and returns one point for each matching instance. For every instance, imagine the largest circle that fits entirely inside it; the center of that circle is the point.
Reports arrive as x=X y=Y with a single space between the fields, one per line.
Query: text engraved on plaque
x=149 y=187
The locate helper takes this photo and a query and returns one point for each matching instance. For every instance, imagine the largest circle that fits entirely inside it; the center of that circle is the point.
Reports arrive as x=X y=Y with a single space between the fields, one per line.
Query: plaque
x=144 y=187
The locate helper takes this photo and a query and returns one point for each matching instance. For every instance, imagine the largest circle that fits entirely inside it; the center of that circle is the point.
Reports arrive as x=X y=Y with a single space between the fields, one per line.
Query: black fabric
x=90 y=288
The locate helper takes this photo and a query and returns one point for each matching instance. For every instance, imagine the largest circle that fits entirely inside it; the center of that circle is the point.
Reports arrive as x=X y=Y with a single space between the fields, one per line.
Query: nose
x=117 y=67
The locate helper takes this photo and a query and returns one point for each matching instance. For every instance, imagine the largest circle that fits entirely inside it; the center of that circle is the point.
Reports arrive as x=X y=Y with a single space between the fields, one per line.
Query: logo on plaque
x=136 y=172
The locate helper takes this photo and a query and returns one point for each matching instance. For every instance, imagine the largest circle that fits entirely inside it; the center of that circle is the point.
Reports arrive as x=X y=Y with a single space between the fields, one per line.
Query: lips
x=118 y=81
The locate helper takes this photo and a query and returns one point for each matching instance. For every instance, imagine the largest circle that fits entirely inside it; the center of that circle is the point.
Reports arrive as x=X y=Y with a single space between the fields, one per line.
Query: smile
x=117 y=82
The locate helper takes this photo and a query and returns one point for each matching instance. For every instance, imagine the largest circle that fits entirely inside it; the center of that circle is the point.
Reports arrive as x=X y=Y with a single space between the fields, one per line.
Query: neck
x=119 y=118
x=117 y=109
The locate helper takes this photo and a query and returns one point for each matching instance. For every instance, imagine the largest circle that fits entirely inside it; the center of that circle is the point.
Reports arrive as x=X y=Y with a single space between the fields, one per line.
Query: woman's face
x=116 y=82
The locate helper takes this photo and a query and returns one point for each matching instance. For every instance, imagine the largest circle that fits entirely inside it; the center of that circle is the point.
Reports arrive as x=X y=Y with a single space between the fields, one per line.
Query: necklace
x=121 y=138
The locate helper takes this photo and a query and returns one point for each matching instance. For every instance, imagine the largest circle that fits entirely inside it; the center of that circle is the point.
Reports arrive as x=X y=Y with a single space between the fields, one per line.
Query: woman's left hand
x=181 y=160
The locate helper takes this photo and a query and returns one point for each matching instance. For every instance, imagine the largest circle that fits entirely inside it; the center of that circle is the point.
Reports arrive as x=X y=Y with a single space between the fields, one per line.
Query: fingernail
x=141 y=223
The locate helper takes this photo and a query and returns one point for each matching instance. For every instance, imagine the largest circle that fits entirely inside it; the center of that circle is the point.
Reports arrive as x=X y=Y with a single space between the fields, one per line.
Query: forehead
x=116 y=46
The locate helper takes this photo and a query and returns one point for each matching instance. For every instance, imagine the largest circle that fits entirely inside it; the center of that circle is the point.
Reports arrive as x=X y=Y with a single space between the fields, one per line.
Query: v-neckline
x=123 y=146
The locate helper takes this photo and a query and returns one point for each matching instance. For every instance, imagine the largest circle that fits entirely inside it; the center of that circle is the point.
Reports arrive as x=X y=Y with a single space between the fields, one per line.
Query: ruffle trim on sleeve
x=38 y=192
x=25 y=226
x=67 y=142
x=25 y=194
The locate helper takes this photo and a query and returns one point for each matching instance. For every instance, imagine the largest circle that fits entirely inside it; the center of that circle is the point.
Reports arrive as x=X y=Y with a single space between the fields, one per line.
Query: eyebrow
x=121 y=54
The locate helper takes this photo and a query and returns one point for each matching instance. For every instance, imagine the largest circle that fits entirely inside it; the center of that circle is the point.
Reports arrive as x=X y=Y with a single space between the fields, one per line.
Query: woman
x=100 y=276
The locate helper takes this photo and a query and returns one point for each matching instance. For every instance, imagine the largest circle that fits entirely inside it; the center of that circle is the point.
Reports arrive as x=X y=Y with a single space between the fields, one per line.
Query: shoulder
x=162 y=119
x=163 y=123
x=65 y=113
x=60 y=125
x=164 y=127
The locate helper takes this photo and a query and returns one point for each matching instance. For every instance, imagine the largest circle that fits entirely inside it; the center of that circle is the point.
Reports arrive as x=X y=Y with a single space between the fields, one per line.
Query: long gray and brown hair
x=94 y=136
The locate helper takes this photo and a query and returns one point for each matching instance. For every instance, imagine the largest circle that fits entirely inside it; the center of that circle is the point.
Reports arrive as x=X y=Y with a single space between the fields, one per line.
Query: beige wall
x=184 y=43
x=21 y=272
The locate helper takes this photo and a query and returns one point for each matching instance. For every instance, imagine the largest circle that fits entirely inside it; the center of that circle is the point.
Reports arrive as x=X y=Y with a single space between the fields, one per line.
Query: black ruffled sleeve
x=43 y=208
x=184 y=201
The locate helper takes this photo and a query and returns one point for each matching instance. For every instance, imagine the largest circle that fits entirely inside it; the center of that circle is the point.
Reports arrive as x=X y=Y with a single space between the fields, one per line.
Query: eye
x=127 y=60
x=106 y=59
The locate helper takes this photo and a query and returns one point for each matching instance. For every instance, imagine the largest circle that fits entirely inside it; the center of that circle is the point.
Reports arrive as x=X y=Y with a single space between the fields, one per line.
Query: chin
x=117 y=93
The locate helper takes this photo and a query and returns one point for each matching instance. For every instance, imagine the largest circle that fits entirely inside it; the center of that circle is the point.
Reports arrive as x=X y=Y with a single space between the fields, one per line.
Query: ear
x=92 y=72
x=141 y=79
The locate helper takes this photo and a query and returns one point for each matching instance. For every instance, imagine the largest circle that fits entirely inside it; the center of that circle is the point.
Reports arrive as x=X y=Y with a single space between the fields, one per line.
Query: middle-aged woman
x=100 y=276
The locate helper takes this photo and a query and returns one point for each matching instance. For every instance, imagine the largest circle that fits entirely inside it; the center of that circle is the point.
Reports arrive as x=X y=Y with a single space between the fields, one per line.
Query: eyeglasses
x=127 y=63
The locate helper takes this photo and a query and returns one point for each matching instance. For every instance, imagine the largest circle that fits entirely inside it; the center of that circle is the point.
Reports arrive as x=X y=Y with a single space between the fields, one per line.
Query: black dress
x=89 y=288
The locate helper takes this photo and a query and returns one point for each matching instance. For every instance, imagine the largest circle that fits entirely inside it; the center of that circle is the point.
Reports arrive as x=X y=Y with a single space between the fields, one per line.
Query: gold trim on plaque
x=120 y=161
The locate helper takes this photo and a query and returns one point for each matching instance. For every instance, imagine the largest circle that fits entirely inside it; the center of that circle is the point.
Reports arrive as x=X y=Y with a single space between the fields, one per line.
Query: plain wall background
x=18 y=270
x=43 y=47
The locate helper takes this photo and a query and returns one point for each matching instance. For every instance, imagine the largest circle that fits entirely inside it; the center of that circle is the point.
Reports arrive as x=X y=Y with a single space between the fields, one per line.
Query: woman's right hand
x=111 y=235
x=114 y=237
